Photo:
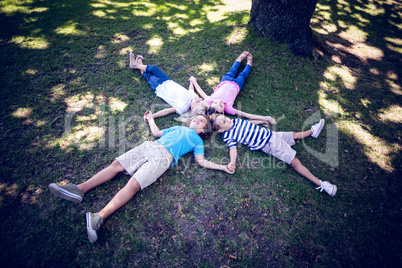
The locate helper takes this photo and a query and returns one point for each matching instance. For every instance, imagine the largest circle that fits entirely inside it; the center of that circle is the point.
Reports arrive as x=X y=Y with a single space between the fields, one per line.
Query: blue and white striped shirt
x=247 y=133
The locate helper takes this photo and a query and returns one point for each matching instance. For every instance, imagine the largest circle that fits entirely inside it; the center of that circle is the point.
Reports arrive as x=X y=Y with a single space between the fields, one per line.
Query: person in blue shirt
x=277 y=144
x=145 y=164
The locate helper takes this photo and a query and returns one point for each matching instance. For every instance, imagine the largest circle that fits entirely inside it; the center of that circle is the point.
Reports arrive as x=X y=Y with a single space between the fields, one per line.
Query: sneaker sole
x=334 y=190
x=64 y=194
x=322 y=121
x=92 y=236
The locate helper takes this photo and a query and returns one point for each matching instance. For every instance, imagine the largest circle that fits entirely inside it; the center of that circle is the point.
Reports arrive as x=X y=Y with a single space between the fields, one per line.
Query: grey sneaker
x=328 y=187
x=94 y=223
x=69 y=192
x=317 y=128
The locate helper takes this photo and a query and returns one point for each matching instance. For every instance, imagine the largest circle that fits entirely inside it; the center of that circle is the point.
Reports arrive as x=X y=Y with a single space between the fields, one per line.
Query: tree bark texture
x=285 y=20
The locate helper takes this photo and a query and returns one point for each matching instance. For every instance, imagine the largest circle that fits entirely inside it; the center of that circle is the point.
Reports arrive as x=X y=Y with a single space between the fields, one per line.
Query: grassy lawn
x=71 y=104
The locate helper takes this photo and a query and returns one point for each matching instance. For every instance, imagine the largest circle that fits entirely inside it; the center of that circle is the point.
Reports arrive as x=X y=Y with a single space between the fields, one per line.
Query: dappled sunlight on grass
x=342 y=72
x=31 y=42
x=22 y=112
x=98 y=5
x=362 y=51
x=70 y=28
x=57 y=92
x=350 y=37
x=237 y=36
x=377 y=150
x=139 y=11
x=328 y=105
x=219 y=13
x=176 y=29
x=30 y=71
x=148 y=26
x=78 y=102
x=27 y=114
x=155 y=44
x=373 y=9
x=99 y=13
x=392 y=114
x=10 y=7
x=82 y=130
x=124 y=51
x=119 y=38
x=116 y=105
x=100 y=52
x=206 y=68
x=394 y=44
x=395 y=88
x=353 y=34
x=85 y=121
x=83 y=137
x=7 y=190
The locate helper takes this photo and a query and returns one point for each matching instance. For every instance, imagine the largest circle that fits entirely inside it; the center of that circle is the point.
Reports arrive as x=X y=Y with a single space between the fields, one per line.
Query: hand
x=147 y=115
x=227 y=170
x=192 y=79
x=270 y=120
x=231 y=167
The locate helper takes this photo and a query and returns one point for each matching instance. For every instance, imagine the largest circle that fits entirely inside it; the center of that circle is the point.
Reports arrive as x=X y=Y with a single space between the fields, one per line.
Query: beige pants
x=149 y=161
x=280 y=146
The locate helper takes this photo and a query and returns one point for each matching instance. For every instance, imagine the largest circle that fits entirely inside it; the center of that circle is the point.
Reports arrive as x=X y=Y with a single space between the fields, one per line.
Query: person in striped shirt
x=278 y=144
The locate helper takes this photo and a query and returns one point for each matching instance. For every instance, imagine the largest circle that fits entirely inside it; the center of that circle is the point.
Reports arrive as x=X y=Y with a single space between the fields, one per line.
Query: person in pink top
x=222 y=100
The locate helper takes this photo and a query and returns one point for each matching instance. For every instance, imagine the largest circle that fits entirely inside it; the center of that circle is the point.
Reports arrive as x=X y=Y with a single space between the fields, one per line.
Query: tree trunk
x=285 y=20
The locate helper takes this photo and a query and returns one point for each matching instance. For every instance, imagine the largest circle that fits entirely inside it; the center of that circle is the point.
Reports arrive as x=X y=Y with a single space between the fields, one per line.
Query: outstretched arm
x=258 y=122
x=233 y=156
x=193 y=81
x=152 y=125
x=191 y=86
x=164 y=112
x=265 y=119
x=211 y=165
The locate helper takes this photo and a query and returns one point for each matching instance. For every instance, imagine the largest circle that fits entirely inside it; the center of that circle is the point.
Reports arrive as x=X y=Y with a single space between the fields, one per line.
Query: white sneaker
x=328 y=187
x=317 y=128
x=94 y=223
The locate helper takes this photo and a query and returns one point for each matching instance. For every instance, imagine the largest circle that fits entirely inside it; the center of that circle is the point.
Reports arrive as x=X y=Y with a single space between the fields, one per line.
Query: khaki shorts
x=280 y=146
x=149 y=161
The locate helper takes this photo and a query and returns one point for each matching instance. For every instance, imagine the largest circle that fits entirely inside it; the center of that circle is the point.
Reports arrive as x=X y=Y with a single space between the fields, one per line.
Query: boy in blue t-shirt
x=277 y=144
x=145 y=163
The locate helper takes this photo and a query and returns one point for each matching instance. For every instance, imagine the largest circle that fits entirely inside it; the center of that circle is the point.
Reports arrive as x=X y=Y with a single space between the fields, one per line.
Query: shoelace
x=99 y=224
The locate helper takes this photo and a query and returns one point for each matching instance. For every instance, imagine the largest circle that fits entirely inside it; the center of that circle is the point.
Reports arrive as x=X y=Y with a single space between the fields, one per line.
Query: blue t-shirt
x=180 y=140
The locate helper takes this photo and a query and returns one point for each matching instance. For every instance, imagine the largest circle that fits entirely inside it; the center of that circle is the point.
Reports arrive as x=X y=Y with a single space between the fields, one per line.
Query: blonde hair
x=200 y=109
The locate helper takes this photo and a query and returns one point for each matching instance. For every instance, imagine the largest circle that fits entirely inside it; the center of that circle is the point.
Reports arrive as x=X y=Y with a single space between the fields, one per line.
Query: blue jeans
x=155 y=76
x=230 y=76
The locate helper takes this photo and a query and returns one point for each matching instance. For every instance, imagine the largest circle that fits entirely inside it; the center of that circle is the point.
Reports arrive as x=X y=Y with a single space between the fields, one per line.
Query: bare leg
x=250 y=59
x=137 y=64
x=302 y=135
x=139 y=61
x=242 y=56
x=102 y=176
x=121 y=198
x=297 y=165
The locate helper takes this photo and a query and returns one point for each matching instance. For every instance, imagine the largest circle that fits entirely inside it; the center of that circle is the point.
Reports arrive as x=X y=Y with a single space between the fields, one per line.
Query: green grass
x=67 y=61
